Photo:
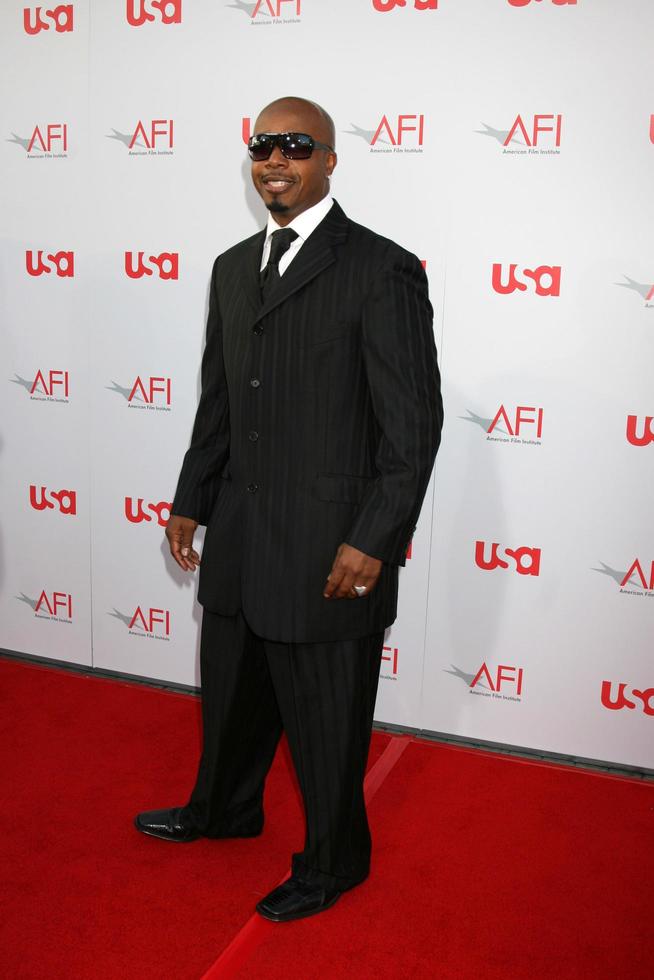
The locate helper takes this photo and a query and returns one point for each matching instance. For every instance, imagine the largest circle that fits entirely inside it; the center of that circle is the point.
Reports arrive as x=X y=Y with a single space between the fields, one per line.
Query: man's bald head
x=317 y=121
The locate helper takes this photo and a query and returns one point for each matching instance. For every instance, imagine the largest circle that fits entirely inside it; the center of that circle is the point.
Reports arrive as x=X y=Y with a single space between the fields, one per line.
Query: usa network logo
x=385 y=6
x=557 y=3
x=162 y=266
x=525 y=561
x=637 y=580
x=643 y=438
x=148 y=622
x=65 y=501
x=56 y=606
x=404 y=133
x=47 y=141
x=618 y=700
x=140 y=12
x=269 y=12
x=138 y=514
x=643 y=289
x=502 y=683
x=150 y=392
x=63 y=263
x=521 y=426
x=149 y=138
x=61 y=18
x=535 y=135
x=45 y=386
x=544 y=280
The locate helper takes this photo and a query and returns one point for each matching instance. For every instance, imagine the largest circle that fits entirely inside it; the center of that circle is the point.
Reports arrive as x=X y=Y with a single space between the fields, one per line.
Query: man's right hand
x=180 y=531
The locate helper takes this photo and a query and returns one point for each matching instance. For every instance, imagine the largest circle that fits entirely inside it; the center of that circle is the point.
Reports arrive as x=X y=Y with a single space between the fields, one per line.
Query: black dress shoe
x=167 y=824
x=296 y=899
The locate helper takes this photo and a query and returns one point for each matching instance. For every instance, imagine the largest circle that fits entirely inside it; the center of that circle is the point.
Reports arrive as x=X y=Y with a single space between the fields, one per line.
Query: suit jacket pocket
x=341 y=487
x=329 y=332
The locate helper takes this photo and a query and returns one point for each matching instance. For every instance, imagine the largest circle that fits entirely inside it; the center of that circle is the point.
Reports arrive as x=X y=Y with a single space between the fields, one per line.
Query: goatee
x=277 y=207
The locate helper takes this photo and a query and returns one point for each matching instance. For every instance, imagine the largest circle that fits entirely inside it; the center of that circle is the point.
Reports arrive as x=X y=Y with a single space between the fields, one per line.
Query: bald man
x=313 y=443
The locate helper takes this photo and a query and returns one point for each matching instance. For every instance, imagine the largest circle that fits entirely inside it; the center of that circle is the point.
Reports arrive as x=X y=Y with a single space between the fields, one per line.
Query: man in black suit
x=313 y=443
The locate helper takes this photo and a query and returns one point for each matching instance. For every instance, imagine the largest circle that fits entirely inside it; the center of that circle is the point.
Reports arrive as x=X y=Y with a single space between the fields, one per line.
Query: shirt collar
x=305 y=223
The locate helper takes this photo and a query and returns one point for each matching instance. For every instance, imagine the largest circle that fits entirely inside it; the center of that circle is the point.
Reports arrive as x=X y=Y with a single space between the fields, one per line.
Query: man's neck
x=283 y=220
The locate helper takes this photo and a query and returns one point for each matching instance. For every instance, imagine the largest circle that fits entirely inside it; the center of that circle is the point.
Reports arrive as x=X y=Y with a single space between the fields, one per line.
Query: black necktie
x=280 y=242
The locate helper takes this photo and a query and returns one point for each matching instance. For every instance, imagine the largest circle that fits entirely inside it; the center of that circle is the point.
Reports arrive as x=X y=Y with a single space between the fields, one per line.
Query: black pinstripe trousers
x=323 y=696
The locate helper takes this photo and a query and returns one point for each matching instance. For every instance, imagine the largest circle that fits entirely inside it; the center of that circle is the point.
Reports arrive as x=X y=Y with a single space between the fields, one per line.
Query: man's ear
x=332 y=160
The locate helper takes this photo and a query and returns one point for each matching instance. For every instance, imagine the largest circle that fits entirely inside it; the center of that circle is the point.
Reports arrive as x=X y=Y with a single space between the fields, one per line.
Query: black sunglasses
x=294 y=146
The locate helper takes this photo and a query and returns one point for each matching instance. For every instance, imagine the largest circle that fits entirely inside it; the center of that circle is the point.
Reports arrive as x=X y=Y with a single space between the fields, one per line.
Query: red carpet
x=83 y=894
x=488 y=867
x=485 y=867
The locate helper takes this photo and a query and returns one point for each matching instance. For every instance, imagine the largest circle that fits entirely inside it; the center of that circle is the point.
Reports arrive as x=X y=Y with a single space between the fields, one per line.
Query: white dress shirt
x=304 y=224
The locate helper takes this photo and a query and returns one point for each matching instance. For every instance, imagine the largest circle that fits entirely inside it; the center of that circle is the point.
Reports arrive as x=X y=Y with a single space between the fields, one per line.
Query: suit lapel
x=250 y=271
x=317 y=253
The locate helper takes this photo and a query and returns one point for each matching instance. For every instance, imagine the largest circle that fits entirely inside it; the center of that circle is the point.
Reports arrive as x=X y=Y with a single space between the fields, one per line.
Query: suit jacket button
x=253 y=487
x=254 y=382
x=257 y=330
x=253 y=436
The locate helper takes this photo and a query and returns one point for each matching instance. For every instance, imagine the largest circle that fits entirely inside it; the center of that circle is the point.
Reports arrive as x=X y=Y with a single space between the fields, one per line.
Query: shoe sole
x=189 y=840
x=298 y=915
x=172 y=840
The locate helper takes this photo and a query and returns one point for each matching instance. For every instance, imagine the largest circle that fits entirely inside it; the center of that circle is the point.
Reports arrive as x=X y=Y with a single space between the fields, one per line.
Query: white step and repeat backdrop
x=510 y=145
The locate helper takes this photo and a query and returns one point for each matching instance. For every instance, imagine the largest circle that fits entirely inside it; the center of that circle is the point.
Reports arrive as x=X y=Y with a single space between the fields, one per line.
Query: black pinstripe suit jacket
x=318 y=423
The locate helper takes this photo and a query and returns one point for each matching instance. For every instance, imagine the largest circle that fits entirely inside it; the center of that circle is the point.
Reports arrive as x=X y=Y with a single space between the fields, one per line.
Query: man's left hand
x=351 y=567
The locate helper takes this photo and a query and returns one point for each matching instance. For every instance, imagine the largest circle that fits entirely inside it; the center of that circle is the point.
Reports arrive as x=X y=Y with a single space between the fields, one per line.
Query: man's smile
x=277 y=184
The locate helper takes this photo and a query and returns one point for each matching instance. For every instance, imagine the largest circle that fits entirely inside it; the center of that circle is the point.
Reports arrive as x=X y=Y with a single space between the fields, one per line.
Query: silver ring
x=359 y=589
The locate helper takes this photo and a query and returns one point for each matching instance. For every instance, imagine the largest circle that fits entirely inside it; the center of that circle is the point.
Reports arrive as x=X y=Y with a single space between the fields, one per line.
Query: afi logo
x=170 y=11
x=620 y=700
x=150 y=619
x=390 y=655
x=521 y=418
x=148 y=391
x=64 y=262
x=55 y=603
x=47 y=383
x=551 y=287
x=273 y=8
x=637 y=569
x=167 y=264
x=644 y=289
x=46 y=137
x=66 y=499
x=647 y=435
x=61 y=17
x=383 y=6
x=557 y=3
x=397 y=131
x=541 y=124
x=157 y=128
x=503 y=675
x=159 y=509
x=527 y=560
